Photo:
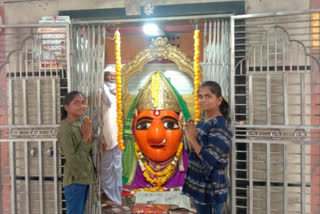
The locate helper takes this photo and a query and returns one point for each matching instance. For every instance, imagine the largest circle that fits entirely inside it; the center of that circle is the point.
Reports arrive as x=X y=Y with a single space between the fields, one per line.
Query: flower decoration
x=157 y=177
x=118 y=89
x=196 y=68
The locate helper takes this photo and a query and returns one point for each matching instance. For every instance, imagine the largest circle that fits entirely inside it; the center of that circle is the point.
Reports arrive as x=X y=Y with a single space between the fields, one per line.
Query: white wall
x=265 y=6
x=29 y=12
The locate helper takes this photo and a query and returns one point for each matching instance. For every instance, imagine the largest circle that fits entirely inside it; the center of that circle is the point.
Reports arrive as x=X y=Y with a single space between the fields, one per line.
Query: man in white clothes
x=111 y=160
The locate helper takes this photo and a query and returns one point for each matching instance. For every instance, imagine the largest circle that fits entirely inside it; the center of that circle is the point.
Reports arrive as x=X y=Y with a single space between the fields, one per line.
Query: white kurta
x=111 y=160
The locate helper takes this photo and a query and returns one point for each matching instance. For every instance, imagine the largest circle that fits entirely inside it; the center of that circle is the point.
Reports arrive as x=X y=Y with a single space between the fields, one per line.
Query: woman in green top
x=75 y=142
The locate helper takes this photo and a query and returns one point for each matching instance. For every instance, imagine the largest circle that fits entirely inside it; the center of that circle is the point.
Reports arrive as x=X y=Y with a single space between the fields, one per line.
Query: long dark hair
x=216 y=89
x=67 y=100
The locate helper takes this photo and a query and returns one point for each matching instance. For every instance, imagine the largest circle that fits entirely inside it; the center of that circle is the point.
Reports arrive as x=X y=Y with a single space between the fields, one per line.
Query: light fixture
x=152 y=29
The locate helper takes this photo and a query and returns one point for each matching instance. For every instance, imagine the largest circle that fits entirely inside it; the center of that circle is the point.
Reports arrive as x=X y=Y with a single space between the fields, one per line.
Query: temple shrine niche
x=155 y=155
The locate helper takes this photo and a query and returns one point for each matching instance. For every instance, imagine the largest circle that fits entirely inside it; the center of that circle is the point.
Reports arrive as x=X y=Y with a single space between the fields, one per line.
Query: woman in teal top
x=74 y=139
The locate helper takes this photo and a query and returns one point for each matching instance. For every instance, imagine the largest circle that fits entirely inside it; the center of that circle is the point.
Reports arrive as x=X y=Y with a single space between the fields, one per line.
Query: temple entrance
x=273 y=91
x=171 y=54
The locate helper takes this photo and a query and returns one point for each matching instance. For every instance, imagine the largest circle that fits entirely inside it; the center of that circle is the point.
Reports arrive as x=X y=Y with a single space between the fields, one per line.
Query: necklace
x=154 y=173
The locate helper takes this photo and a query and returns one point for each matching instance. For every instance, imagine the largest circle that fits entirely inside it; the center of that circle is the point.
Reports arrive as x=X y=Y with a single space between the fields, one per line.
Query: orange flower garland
x=118 y=89
x=196 y=68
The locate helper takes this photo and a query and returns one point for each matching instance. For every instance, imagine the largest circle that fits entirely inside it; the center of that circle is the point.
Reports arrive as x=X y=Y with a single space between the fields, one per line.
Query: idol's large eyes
x=143 y=125
x=171 y=125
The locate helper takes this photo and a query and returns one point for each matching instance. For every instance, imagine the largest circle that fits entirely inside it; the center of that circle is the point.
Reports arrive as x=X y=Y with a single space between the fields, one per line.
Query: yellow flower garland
x=149 y=189
x=118 y=89
x=160 y=177
x=196 y=68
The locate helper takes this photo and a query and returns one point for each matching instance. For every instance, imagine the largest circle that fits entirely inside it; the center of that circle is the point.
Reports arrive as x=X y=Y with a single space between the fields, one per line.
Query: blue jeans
x=209 y=208
x=76 y=197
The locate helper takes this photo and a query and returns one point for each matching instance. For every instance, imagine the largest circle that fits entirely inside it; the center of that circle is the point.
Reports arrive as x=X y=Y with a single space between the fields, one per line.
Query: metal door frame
x=238 y=126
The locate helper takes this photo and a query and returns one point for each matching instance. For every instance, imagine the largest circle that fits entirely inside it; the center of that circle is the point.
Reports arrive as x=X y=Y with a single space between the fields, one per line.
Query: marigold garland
x=196 y=68
x=149 y=189
x=158 y=178
x=118 y=89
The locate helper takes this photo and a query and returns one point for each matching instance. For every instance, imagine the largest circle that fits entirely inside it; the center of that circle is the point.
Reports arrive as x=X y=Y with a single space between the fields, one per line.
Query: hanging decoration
x=196 y=68
x=118 y=89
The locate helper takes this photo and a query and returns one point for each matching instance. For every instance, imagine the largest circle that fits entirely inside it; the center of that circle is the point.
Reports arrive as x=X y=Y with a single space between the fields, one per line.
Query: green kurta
x=78 y=168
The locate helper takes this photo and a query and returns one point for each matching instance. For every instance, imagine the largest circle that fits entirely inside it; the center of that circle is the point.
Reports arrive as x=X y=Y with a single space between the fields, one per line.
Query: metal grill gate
x=33 y=81
x=88 y=45
x=275 y=96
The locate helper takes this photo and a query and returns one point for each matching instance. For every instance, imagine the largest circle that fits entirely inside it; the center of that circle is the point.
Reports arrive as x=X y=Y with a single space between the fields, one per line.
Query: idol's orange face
x=158 y=134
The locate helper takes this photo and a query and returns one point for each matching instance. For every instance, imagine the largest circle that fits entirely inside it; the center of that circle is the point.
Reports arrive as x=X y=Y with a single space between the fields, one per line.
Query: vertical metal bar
x=268 y=84
x=268 y=180
x=81 y=59
x=254 y=60
x=40 y=176
x=285 y=97
x=297 y=54
x=217 y=52
x=32 y=59
x=51 y=66
x=275 y=50
x=92 y=67
x=291 y=58
x=26 y=60
x=97 y=70
x=205 y=45
x=268 y=87
x=26 y=175
x=250 y=179
x=10 y=102
x=39 y=100
x=54 y=101
x=285 y=179
x=303 y=179
x=40 y=55
x=285 y=83
x=302 y=99
x=68 y=54
x=24 y=98
x=55 y=176
x=13 y=177
x=250 y=83
x=210 y=42
x=232 y=114
x=268 y=52
x=261 y=57
x=20 y=63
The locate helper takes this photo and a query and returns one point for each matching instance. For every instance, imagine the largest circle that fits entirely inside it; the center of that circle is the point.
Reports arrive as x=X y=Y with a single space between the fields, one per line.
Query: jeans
x=209 y=208
x=76 y=197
